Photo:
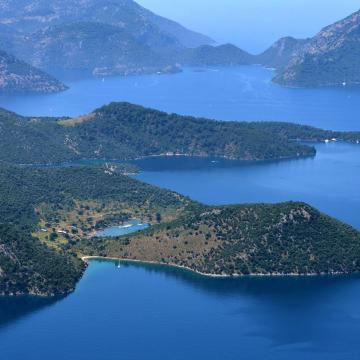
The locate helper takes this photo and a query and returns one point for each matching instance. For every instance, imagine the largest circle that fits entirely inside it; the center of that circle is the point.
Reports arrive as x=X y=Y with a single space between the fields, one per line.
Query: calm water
x=242 y=93
x=146 y=312
x=127 y=228
x=330 y=181
x=158 y=313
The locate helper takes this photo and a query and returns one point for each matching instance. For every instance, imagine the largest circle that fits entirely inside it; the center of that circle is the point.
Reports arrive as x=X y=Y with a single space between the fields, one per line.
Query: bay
x=155 y=312
x=145 y=311
x=330 y=181
x=238 y=93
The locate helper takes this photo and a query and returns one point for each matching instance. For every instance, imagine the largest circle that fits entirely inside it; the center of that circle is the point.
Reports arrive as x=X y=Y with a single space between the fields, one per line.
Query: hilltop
x=30 y=259
x=123 y=131
x=222 y=55
x=101 y=49
x=330 y=58
x=102 y=37
x=282 y=239
x=45 y=230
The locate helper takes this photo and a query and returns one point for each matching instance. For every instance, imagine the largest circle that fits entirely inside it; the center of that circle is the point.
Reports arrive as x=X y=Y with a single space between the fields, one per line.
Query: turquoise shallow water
x=124 y=229
x=155 y=312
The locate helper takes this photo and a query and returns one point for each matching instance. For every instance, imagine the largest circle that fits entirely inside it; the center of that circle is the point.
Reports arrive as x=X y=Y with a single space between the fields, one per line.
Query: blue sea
x=239 y=93
x=143 y=311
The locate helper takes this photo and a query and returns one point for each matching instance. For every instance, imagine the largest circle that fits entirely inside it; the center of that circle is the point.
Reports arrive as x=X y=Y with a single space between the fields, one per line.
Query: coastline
x=76 y=162
x=86 y=259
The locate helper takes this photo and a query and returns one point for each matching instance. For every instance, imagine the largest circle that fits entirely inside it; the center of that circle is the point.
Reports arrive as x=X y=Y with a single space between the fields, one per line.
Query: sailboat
x=119 y=265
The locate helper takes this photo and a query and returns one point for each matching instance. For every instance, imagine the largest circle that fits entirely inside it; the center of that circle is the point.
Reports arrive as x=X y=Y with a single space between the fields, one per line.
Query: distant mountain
x=100 y=48
x=187 y=38
x=17 y=76
x=331 y=58
x=103 y=36
x=10 y=38
x=154 y=30
x=281 y=52
x=222 y=55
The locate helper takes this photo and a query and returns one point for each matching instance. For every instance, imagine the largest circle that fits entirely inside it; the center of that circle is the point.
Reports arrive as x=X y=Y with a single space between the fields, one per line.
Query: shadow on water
x=254 y=286
x=289 y=312
x=166 y=163
x=14 y=308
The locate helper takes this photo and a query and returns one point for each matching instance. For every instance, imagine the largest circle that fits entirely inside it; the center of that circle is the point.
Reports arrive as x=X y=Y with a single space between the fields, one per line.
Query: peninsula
x=122 y=131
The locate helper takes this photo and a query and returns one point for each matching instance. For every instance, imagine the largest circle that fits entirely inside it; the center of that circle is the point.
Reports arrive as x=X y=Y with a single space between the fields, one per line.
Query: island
x=49 y=215
x=123 y=131
x=60 y=183
x=284 y=239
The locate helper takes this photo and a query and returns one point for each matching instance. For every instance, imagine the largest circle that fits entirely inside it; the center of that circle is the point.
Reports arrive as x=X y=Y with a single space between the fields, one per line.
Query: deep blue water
x=127 y=228
x=330 y=181
x=154 y=312
x=241 y=93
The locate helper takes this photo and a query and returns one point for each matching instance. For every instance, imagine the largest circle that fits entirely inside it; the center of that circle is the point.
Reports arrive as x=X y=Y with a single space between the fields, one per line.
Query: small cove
x=123 y=229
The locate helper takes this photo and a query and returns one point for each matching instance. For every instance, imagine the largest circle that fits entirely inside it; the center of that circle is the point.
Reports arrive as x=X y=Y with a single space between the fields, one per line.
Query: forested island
x=48 y=216
x=122 y=131
x=285 y=239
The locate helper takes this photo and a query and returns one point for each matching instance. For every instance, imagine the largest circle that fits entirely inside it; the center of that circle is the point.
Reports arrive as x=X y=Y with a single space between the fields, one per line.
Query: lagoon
x=124 y=229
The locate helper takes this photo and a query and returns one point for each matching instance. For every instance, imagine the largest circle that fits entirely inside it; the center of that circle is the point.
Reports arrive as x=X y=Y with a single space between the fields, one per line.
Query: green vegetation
x=29 y=267
x=48 y=218
x=123 y=131
x=49 y=203
x=288 y=238
x=309 y=133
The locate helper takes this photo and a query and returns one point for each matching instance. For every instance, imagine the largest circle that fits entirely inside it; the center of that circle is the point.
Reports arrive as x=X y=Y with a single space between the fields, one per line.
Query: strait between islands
x=47 y=213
